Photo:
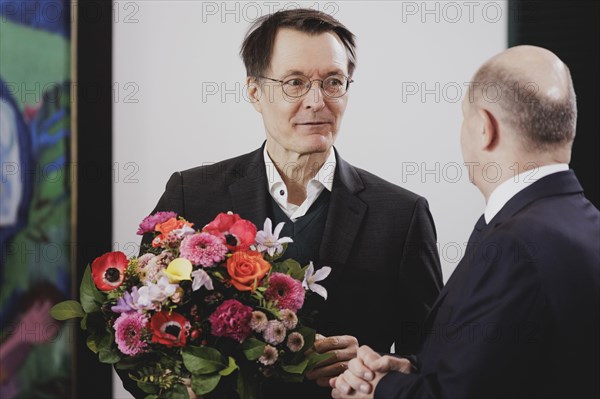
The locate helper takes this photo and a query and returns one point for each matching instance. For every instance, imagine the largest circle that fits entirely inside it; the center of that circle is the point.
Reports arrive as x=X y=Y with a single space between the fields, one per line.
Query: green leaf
x=109 y=356
x=146 y=387
x=203 y=384
x=298 y=273
x=83 y=322
x=309 y=336
x=91 y=298
x=105 y=342
x=129 y=363
x=67 y=310
x=230 y=368
x=289 y=266
x=202 y=359
x=295 y=368
x=107 y=353
x=180 y=392
x=151 y=397
x=253 y=348
x=92 y=343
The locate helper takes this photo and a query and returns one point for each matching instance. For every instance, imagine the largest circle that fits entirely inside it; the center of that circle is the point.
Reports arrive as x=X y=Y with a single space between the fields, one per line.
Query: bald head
x=537 y=65
x=533 y=92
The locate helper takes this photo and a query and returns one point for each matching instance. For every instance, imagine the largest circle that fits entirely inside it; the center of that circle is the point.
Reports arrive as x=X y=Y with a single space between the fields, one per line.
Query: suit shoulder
x=554 y=231
x=557 y=216
x=375 y=185
x=227 y=169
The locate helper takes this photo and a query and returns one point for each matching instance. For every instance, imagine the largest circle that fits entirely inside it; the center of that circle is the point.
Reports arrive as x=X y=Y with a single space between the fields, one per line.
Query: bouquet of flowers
x=200 y=312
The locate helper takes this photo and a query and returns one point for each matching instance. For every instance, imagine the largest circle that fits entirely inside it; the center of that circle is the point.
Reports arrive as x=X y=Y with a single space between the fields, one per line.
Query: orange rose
x=245 y=267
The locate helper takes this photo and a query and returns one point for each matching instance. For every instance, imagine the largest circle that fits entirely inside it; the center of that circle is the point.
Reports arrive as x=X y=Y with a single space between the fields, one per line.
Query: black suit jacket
x=379 y=239
x=519 y=317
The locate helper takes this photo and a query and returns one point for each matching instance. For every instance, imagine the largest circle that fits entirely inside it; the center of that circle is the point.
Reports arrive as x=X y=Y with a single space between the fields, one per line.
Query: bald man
x=519 y=318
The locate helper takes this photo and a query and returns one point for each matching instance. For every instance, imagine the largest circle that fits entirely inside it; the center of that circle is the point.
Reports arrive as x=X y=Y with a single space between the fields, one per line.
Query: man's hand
x=365 y=372
x=343 y=348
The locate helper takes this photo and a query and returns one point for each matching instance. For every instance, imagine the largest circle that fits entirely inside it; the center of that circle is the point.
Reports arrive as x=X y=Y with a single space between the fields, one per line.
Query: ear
x=490 y=133
x=254 y=92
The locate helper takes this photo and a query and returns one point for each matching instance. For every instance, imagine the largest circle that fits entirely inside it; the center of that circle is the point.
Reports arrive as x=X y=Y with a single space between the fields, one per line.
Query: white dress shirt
x=508 y=189
x=323 y=179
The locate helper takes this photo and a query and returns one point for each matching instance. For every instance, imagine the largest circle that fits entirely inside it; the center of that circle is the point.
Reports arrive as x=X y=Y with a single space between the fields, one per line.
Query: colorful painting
x=35 y=198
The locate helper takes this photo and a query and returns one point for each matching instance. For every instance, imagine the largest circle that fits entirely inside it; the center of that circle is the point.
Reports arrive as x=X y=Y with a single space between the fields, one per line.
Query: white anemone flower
x=311 y=277
x=269 y=240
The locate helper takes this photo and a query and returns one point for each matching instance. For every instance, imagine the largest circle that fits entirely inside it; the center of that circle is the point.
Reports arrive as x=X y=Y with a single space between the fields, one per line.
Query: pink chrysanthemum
x=286 y=290
x=295 y=341
x=128 y=333
x=203 y=249
x=231 y=319
x=288 y=318
x=151 y=221
x=259 y=321
x=275 y=332
x=269 y=356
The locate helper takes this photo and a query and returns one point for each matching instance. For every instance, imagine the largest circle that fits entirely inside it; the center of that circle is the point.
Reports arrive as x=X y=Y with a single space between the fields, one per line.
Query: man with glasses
x=379 y=239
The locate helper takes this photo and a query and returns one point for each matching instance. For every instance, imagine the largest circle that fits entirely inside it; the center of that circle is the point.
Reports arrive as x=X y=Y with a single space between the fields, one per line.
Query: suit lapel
x=249 y=192
x=345 y=215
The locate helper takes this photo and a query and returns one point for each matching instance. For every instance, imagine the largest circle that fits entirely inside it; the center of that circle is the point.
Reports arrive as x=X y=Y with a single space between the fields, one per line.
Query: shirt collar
x=508 y=189
x=324 y=176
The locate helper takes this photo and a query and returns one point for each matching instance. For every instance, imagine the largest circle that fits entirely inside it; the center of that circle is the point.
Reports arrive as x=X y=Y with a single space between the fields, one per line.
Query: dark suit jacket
x=379 y=239
x=519 y=316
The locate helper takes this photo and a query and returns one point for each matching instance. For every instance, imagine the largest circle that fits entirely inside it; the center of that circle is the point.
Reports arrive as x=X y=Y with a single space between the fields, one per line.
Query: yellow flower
x=179 y=269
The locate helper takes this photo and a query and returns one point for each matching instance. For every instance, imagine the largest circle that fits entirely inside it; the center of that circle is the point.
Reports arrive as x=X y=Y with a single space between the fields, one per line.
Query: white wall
x=178 y=99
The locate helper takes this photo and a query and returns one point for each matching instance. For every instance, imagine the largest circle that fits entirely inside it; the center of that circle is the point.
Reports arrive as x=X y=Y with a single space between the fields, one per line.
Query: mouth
x=315 y=123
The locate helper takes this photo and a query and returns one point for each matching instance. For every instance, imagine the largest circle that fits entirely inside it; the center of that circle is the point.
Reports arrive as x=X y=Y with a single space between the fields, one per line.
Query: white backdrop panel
x=179 y=100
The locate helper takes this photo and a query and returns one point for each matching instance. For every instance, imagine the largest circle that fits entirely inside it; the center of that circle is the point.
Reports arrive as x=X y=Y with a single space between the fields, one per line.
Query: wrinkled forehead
x=309 y=54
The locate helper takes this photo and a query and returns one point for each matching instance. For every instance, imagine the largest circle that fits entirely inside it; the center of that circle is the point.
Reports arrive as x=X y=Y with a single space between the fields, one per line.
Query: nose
x=314 y=99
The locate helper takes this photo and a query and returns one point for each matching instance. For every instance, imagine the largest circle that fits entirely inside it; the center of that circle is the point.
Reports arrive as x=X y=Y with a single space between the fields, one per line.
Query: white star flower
x=269 y=240
x=310 y=279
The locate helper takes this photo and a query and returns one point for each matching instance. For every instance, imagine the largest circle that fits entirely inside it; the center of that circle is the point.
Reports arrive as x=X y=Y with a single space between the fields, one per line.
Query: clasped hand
x=342 y=348
x=364 y=373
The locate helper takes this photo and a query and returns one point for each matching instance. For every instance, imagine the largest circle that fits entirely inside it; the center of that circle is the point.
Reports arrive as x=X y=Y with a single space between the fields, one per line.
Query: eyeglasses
x=298 y=85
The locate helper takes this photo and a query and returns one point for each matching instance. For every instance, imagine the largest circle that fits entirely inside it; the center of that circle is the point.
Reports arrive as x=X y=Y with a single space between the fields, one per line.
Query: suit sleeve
x=420 y=278
x=171 y=200
x=482 y=344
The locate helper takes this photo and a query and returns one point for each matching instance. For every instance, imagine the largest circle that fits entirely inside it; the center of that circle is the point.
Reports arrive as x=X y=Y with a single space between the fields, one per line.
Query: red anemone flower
x=169 y=329
x=237 y=233
x=108 y=270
